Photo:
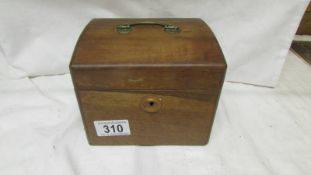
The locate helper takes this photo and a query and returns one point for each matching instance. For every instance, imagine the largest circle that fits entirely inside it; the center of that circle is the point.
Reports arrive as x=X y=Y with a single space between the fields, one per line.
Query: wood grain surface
x=100 y=44
x=305 y=23
x=302 y=48
x=167 y=85
x=180 y=121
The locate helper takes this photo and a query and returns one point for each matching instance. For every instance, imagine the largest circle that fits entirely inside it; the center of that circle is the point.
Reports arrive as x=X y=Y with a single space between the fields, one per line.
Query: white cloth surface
x=37 y=37
x=257 y=131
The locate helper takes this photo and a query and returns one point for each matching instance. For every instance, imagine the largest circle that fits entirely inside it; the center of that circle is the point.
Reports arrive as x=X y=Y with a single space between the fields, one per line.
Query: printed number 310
x=113 y=128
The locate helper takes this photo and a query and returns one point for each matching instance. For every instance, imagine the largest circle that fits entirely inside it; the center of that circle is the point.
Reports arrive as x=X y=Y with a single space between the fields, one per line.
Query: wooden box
x=148 y=81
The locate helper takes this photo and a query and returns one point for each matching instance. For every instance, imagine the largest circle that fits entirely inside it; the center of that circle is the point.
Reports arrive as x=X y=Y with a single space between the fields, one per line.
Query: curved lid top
x=101 y=45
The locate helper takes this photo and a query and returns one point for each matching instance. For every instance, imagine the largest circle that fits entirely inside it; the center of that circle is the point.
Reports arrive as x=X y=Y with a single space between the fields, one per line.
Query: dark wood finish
x=101 y=46
x=116 y=76
x=180 y=121
x=305 y=24
x=161 y=78
x=303 y=48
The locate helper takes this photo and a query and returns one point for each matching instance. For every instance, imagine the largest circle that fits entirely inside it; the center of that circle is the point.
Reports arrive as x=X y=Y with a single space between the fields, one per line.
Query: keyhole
x=151 y=104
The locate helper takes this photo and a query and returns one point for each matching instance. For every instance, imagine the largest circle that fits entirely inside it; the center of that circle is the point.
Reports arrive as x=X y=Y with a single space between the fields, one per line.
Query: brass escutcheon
x=151 y=104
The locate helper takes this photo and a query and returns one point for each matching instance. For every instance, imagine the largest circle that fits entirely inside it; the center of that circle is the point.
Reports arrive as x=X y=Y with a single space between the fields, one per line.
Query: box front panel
x=146 y=117
x=156 y=78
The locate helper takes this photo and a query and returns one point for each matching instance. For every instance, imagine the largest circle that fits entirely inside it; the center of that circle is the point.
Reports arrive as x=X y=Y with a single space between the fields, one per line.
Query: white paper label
x=112 y=127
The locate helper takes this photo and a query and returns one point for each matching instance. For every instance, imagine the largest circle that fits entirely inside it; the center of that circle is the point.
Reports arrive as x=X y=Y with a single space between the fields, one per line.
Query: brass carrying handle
x=126 y=28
